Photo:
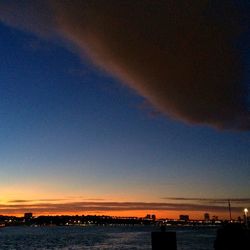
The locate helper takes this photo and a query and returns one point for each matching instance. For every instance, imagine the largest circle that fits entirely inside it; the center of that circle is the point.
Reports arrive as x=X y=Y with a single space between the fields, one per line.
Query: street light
x=246 y=211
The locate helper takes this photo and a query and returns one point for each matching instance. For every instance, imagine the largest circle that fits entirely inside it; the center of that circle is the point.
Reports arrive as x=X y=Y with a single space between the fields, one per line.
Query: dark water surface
x=101 y=237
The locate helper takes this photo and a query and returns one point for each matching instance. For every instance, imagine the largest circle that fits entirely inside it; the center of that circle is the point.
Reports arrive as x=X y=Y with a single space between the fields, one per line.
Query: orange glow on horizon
x=39 y=203
x=193 y=215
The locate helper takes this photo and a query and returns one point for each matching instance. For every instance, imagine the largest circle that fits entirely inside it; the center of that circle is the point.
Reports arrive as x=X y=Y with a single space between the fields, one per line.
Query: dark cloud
x=110 y=206
x=19 y=201
x=28 y=15
x=27 y=201
x=210 y=200
x=94 y=199
x=184 y=57
x=53 y=200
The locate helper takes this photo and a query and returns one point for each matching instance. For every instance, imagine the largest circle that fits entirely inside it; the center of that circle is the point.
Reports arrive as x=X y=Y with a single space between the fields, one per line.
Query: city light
x=246 y=221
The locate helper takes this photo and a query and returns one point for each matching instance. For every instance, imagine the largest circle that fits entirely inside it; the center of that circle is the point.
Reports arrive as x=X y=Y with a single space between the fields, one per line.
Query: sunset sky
x=81 y=134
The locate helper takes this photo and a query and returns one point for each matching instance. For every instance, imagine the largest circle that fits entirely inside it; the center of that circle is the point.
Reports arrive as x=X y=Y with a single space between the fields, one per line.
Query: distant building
x=215 y=218
x=148 y=216
x=153 y=217
x=206 y=217
x=184 y=217
x=27 y=216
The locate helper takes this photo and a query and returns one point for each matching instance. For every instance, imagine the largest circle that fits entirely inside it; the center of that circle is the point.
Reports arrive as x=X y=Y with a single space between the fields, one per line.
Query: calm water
x=98 y=237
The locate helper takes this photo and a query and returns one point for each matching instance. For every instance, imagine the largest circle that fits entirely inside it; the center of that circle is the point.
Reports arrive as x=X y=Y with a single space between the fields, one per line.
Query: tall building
x=206 y=216
x=27 y=216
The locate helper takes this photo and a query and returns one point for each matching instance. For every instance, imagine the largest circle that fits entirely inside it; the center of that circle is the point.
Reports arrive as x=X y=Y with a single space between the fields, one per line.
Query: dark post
x=229 y=208
x=163 y=240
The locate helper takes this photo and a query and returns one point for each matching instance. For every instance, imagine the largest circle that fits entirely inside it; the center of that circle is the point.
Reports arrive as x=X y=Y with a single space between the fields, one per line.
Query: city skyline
x=85 y=124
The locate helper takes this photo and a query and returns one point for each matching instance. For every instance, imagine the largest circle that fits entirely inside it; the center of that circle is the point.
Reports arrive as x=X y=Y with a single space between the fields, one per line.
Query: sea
x=101 y=237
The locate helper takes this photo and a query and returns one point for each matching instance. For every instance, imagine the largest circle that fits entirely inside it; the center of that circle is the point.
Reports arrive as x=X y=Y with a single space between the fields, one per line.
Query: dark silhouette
x=163 y=240
x=232 y=237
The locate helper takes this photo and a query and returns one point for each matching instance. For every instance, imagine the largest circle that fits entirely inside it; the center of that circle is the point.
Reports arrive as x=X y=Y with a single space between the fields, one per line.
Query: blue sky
x=68 y=128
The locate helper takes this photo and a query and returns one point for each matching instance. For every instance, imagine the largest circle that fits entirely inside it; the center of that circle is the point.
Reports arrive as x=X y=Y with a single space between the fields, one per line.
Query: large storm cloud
x=185 y=57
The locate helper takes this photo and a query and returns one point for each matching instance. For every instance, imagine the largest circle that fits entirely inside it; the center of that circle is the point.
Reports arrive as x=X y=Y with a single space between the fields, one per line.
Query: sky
x=88 y=125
